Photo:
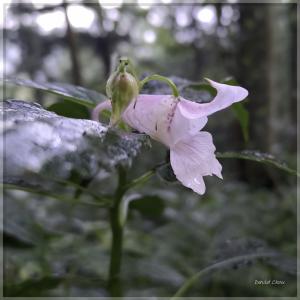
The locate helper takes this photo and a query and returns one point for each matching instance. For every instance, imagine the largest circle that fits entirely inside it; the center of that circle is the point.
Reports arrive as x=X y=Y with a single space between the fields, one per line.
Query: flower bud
x=122 y=87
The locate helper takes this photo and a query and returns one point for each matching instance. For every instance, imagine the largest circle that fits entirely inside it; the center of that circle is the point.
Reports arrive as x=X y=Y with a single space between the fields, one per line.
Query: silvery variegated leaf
x=39 y=142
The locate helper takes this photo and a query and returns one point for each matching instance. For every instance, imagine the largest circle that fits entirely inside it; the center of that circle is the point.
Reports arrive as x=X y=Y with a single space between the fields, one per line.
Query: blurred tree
x=264 y=67
x=279 y=77
x=71 y=38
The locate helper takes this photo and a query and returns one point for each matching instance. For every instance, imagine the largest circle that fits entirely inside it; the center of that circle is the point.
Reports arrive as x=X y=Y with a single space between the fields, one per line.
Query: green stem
x=140 y=180
x=144 y=177
x=101 y=202
x=114 y=281
x=219 y=265
x=172 y=85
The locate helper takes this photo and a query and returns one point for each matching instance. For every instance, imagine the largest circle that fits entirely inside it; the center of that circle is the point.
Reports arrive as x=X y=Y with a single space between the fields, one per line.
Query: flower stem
x=140 y=180
x=144 y=177
x=190 y=282
x=114 y=281
x=172 y=85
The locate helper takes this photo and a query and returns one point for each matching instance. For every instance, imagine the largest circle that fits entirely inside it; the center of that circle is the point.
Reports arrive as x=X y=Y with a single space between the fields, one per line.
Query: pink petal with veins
x=159 y=117
x=226 y=95
x=194 y=157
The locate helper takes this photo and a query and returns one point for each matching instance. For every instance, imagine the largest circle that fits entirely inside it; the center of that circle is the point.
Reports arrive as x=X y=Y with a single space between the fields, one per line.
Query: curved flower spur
x=176 y=122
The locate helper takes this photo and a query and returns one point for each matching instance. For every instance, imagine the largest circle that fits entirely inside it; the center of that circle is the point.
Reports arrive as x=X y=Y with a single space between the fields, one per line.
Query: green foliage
x=151 y=207
x=240 y=112
x=259 y=157
x=243 y=117
x=217 y=267
x=77 y=94
x=70 y=109
x=12 y=241
x=160 y=256
x=28 y=288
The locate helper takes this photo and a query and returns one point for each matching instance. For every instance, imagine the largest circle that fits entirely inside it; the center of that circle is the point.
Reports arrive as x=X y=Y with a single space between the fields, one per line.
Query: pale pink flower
x=177 y=123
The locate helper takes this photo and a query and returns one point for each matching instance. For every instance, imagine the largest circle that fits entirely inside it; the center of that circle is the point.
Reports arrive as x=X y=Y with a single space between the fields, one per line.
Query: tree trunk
x=73 y=49
x=279 y=78
x=264 y=67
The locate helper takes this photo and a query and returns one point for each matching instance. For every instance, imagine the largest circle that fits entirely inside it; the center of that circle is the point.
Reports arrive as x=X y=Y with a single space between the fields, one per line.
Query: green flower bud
x=122 y=87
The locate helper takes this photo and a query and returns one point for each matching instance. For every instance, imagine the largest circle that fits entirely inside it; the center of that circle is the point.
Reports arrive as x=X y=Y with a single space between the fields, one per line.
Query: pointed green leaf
x=77 y=94
x=70 y=109
x=240 y=111
x=243 y=117
x=259 y=157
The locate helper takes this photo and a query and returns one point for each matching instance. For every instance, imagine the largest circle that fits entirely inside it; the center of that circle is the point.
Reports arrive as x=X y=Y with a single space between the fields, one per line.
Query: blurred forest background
x=58 y=249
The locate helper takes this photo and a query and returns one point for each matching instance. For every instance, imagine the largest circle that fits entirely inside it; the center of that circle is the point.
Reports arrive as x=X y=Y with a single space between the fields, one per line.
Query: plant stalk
x=190 y=282
x=114 y=281
x=168 y=81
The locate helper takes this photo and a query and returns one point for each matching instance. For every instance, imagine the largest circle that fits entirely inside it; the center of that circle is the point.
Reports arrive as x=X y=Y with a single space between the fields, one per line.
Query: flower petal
x=226 y=95
x=159 y=117
x=101 y=106
x=182 y=127
x=192 y=158
x=146 y=112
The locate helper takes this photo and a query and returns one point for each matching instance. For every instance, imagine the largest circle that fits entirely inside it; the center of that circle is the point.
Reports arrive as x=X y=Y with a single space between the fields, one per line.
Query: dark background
x=253 y=208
